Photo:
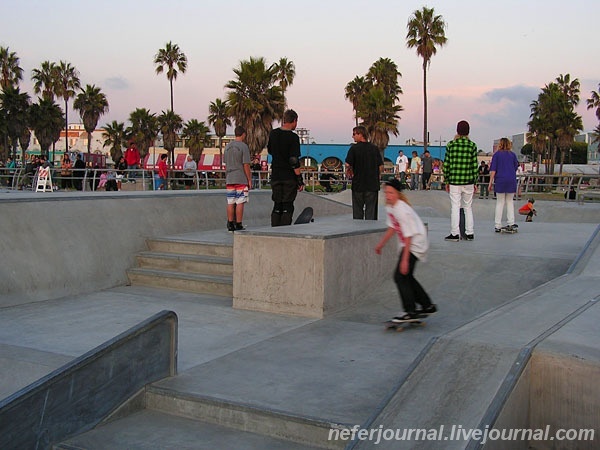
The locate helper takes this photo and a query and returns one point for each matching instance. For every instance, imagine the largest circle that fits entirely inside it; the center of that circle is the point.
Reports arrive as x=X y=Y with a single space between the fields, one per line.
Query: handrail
x=16 y=178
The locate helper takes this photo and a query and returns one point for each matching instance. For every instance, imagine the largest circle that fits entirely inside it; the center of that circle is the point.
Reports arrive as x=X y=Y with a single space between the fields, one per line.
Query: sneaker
x=469 y=237
x=452 y=237
x=408 y=317
x=230 y=226
x=513 y=226
x=424 y=312
x=239 y=226
x=497 y=230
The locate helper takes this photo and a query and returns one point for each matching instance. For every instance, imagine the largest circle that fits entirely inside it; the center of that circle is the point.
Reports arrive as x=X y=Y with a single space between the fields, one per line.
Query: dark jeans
x=283 y=194
x=483 y=190
x=410 y=289
x=364 y=205
x=425 y=178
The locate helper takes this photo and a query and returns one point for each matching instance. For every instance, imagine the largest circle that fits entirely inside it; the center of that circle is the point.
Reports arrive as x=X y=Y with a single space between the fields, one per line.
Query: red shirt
x=132 y=156
x=162 y=168
x=526 y=208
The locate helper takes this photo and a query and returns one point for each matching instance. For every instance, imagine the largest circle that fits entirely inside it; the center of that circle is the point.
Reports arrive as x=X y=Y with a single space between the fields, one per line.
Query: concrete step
x=208 y=265
x=244 y=417
x=149 y=429
x=184 y=247
x=188 y=282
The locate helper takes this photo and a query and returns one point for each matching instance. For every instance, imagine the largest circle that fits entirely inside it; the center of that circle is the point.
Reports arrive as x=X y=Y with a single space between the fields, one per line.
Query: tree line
x=554 y=123
x=255 y=100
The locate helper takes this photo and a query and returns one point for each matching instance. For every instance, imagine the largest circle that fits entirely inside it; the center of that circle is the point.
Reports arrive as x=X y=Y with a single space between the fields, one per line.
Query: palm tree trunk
x=89 y=142
x=425 y=106
x=171 y=83
x=66 y=130
x=221 y=152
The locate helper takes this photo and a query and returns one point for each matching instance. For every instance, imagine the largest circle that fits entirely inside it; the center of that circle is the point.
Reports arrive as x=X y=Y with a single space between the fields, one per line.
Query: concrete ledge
x=264 y=421
x=77 y=396
x=71 y=243
x=309 y=270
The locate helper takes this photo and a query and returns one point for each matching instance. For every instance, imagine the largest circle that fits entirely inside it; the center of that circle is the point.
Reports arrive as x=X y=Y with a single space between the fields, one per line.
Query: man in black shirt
x=364 y=164
x=286 y=181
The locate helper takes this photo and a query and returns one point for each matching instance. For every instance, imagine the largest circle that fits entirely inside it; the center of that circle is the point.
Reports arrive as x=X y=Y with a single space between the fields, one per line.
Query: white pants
x=501 y=200
x=461 y=197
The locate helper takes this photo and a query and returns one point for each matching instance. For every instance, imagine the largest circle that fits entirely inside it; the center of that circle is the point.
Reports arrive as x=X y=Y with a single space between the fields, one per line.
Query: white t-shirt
x=406 y=222
x=402 y=163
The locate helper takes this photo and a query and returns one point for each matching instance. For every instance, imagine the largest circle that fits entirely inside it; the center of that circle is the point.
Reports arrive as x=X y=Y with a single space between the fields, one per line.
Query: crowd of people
x=463 y=176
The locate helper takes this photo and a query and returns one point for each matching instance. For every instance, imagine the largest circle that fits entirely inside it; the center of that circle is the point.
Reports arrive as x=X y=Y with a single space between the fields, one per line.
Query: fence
x=315 y=181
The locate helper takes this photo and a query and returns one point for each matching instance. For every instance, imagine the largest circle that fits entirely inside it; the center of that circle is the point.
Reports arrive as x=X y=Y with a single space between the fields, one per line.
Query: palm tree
x=91 y=104
x=174 y=60
x=426 y=32
x=10 y=70
x=114 y=137
x=219 y=119
x=196 y=135
x=169 y=125
x=285 y=73
x=594 y=102
x=15 y=111
x=44 y=80
x=143 y=129
x=255 y=101
x=47 y=122
x=374 y=98
x=379 y=113
x=25 y=137
x=355 y=89
x=67 y=80
x=553 y=115
x=384 y=72
x=570 y=89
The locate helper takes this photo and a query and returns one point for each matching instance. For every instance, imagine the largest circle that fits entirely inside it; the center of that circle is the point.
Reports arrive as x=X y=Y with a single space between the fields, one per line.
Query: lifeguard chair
x=44 y=180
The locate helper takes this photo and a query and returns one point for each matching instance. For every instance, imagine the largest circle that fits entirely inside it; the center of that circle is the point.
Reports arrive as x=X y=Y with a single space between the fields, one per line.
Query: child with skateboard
x=528 y=210
x=404 y=222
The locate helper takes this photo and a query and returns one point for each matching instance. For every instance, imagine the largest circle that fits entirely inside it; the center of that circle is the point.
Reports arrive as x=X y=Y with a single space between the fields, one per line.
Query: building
x=332 y=156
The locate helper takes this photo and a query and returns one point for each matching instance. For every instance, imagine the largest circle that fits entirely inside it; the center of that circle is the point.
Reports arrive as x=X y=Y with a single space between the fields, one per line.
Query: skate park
x=514 y=342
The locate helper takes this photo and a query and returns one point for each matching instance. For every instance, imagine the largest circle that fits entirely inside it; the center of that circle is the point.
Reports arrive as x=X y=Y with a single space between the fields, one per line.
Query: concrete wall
x=514 y=415
x=58 y=244
x=77 y=396
x=309 y=270
x=565 y=395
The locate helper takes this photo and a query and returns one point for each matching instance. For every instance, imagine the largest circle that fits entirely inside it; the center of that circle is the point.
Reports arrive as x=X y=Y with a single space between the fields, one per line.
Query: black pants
x=410 y=289
x=425 y=178
x=283 y=194
x=364 y=205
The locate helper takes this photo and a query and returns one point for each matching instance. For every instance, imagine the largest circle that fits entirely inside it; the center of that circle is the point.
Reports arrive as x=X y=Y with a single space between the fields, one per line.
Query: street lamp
x=440 y=141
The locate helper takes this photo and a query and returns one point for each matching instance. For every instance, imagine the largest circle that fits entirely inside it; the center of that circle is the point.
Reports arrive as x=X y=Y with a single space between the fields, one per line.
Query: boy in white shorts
x=238 y=178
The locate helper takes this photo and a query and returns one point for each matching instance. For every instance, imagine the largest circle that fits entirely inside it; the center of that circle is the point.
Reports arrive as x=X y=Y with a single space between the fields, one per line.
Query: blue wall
x=322 y=151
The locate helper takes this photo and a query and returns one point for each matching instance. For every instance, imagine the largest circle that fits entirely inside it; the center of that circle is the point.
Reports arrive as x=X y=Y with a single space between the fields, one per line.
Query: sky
x=498 y=57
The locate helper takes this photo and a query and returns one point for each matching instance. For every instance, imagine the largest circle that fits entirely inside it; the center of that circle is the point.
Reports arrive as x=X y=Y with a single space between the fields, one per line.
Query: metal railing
x=90 y=179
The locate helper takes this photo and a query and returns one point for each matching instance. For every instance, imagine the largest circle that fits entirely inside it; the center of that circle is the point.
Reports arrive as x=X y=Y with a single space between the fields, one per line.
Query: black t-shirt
x=282 y=145
x=365 y=160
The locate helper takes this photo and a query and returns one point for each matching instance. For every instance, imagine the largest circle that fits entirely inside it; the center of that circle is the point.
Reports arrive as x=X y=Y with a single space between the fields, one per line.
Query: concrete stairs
x=191 y=266
x=172 y=419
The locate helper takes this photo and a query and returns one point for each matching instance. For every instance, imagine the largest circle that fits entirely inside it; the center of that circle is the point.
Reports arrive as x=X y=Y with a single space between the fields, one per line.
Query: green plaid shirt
x=460 y=162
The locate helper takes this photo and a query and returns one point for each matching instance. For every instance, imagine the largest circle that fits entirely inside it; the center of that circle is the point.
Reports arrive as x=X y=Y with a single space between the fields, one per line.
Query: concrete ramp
x=468 y=374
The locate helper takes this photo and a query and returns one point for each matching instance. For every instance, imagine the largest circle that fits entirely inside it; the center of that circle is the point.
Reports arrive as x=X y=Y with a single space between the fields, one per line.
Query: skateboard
x=306 y=216
x=509 y=230
x=403 y=325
